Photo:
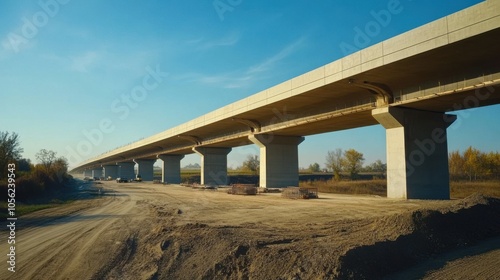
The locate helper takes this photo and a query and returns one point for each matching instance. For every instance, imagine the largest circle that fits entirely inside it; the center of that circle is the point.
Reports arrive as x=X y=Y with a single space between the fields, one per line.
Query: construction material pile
x=243 y=189
x=300 y=193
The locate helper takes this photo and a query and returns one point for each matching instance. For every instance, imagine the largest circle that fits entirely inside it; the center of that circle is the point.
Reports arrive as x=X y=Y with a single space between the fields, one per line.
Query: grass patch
x=370 y=187
x=462 y=189
x=23 y=209
x=459 y=189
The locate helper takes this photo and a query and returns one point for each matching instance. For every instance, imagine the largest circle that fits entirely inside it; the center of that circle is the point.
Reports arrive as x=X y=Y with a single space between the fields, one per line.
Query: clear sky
x=67 y=65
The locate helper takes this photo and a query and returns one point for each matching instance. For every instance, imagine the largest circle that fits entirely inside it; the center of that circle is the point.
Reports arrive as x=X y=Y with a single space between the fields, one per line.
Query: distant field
x=465 y=189
x=365 y=185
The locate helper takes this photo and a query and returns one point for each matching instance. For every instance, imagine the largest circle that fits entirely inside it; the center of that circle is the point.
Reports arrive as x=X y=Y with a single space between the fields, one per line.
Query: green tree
x=252 y=163
x=59 y=168
x=24 y=164
x=377 y=166
x=10 y=150
x=334 y=162
x=353 y=162
x=314 y=167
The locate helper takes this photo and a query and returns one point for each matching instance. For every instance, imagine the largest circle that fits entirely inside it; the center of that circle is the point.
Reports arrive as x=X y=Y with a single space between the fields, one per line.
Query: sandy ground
x=150 y=231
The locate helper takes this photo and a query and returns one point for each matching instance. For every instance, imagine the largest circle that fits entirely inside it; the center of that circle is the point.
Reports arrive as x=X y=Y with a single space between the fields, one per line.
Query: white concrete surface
x=279 y=160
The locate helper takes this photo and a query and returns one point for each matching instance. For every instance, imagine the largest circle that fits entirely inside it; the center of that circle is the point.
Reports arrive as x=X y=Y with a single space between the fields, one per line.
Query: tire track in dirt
x=58 y=250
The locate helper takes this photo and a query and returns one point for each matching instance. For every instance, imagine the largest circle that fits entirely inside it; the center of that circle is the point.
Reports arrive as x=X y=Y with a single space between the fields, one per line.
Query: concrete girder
x=194 y=139
x=252 y=124
x=383 y=92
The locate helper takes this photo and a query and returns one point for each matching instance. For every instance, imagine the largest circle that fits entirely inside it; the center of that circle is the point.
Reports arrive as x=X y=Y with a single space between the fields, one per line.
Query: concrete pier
x=110 y=171
x=417 y=152
x=97 y=172
x=145 y=168
x=126 y=169
x=213 y=165
x=171 y=168
x=279 y=160
x=87 y=173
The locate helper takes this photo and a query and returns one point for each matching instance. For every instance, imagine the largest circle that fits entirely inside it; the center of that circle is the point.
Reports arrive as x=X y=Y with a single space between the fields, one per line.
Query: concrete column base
x=87 y=173
x=279 y=160
x=171 y=168
x=97 y=173
x=417 y=152
x=213 y=165
x=145 y=168
x=110 y=171
x=126 y=169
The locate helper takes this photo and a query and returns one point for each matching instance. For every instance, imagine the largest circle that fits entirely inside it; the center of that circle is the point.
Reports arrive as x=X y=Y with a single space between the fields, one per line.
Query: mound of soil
x=168 y=248
x=423 y=233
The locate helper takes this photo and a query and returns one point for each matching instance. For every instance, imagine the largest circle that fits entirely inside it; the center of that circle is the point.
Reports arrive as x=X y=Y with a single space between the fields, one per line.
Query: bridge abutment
x=417 y=152
x=171 y=168
x=126 y=169
x=110 y=171
x=213 y=165
x=279 y=160
x=145 y=168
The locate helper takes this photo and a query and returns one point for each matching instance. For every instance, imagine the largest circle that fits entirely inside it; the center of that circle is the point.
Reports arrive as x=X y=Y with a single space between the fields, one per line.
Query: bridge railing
x=443 y=86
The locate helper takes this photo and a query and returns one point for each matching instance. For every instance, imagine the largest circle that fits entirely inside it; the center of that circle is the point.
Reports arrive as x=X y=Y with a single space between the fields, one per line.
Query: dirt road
x=148 y=231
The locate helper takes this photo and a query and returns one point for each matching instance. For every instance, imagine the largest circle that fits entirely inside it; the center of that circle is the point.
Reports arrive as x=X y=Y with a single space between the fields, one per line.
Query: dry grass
x=371 y=187
x=379 y=187
x=463 y=189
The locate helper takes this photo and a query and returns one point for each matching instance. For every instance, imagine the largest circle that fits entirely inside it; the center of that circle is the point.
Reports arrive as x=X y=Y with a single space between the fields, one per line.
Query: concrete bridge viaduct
x=407 y=84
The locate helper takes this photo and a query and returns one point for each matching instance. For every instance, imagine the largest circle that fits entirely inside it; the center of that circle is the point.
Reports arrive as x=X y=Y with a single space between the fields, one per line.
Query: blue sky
x=65 y=66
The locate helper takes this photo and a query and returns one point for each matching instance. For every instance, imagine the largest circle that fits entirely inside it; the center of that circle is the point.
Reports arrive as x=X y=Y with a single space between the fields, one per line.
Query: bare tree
x=46 y=158
x=334 y=162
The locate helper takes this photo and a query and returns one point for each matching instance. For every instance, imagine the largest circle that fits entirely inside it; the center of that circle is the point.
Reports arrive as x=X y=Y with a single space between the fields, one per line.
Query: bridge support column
x=279 y=160
x=110 y=171
x=213 y=165
x=171 y=168
x=97 y=172
x=417 y=152
x=145 y=168
x=126 y=169
x=87 y=173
